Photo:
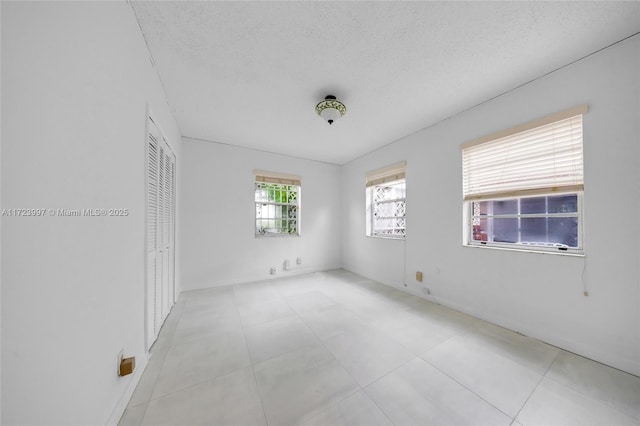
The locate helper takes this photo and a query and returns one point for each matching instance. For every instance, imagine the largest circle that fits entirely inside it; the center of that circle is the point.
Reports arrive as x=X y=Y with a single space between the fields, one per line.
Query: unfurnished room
x=320 y=213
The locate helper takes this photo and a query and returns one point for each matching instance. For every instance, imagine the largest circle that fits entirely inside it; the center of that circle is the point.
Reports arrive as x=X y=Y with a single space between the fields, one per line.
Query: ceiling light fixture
x=331 y=109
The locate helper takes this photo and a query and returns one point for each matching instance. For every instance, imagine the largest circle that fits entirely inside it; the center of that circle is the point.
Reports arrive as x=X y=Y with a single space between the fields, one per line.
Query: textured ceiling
x=251 y=73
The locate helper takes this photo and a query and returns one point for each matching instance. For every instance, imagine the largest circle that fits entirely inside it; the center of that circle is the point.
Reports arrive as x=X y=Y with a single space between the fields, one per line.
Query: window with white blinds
x=540 y=157
x=386 y=201
x=523 y=187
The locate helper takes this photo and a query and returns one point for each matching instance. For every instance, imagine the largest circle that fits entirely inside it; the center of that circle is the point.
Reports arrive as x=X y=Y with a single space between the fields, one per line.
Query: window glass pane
x=505 y=207
x=563 y=230
x=505 y=230
x=533 y=230
x=292 y=227
x=381 y=193
x=563 y=204
x=292 y=212
x=480 y=208
x=383 y=225
x=480 y=229
x=533 y=205
x=382 y=209
x=390 y=226
x=397 y=191
x=389 y=192
x=394 y=209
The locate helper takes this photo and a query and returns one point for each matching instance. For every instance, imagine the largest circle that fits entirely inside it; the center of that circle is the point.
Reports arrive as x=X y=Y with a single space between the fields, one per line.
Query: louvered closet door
x=173 y=297
x=160 y=232
x=153 y=170
x=167 y=299
x=160 y=260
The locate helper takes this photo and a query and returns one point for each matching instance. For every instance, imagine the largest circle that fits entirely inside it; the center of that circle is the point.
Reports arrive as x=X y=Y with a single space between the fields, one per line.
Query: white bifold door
x=161 y=224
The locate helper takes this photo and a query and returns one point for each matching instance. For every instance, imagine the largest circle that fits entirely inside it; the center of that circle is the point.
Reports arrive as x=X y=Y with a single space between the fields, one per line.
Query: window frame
x=520 y=246
x=284 y=182
x=372 y=217
x=389 y=175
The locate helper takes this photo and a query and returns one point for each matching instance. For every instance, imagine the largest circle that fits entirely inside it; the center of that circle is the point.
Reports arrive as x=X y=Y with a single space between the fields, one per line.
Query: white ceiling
x=251 y=73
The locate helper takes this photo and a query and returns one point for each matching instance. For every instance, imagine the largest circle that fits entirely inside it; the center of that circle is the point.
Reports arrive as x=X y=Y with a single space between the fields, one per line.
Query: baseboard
x=118 y=410
x=296 y=270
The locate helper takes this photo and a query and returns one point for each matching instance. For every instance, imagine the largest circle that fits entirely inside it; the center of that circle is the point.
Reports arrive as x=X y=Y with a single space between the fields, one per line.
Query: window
x=386 y=202
x=549 y=222
x=277 y=202
x=523 y=187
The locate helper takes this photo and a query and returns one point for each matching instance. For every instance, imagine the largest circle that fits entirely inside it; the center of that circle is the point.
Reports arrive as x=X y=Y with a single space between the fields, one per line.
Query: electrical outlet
x=286 y=265
x=273 y=270
x=426 y=291
x=419 y=276
x=299 y=261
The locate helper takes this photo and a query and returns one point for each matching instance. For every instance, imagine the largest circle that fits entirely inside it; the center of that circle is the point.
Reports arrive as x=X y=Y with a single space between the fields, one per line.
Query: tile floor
x=334 y=348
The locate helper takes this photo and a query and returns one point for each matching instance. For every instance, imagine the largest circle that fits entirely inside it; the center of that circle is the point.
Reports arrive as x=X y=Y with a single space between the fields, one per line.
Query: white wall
x=218 y=242
x=76 y=84
x=540 y=295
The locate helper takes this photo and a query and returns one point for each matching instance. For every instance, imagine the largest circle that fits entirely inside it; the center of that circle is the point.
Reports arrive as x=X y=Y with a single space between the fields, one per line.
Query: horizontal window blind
x=386 y=174
x=280 y=178
x=543 y=156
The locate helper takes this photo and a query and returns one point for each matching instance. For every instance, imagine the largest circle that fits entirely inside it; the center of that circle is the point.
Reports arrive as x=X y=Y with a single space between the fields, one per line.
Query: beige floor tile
x=498 y=380
x=613 y=387
x=369 y=355
x=204 y=359
x=556 y=404
x=255 y=313
x=355 y=410
x=133 y=415
x=300 y=384
x=333 y=320
x=277 y=337
x=419 y=394
x=228 y=400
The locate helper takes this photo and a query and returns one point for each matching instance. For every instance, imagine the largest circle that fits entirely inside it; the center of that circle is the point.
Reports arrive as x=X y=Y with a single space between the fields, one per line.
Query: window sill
x=383 y=237
x=267 y=236
x=525 y=250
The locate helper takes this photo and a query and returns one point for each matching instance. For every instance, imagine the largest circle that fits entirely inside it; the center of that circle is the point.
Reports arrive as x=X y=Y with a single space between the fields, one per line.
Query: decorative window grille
x=523 y=186
x=386 y=202
x=277 y=204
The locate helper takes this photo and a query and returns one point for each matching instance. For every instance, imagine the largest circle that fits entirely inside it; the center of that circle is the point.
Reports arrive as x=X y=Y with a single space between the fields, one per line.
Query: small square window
x=277 y=208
